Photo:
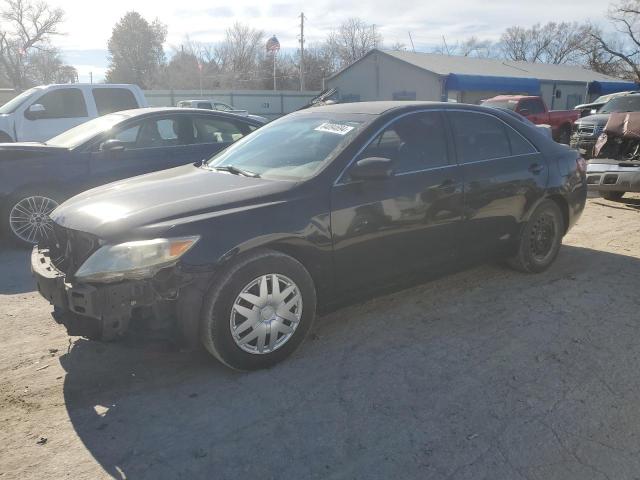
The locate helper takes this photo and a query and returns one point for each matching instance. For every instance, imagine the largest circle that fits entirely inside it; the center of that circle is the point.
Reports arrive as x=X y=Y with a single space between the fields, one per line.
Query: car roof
x=135 y=112
x=384 y=107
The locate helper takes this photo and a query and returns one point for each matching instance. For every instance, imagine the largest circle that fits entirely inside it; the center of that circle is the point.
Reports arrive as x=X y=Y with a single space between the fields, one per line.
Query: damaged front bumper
x=95 y=311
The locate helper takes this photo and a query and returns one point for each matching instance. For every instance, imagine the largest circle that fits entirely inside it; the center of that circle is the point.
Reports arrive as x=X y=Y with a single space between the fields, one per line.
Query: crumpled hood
x=599 y=119
x=149 y=204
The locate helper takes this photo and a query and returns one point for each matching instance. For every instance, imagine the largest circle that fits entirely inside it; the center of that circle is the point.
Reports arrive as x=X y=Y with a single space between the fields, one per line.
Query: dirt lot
x=483 y=374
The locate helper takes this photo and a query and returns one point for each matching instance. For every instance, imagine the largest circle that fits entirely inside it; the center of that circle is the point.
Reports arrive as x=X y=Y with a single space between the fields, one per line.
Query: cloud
x=88 y=25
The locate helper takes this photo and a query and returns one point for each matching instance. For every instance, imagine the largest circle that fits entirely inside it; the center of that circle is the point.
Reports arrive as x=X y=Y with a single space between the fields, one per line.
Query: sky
x=88 y=24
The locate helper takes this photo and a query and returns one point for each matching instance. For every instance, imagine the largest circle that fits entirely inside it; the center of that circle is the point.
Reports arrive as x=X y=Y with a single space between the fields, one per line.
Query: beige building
x=401 y=75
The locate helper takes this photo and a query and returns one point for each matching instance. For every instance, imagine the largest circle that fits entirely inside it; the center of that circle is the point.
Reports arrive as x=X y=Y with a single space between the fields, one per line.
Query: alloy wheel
x=29 y=218
x=266 y=313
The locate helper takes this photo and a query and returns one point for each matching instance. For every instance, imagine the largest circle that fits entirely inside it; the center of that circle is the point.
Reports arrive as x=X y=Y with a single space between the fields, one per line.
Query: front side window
x=62 y=103
x=294 y=147
x=478 y=137
x=157 y=133
x=223 y=107
x=415 y=142
x=109 y=100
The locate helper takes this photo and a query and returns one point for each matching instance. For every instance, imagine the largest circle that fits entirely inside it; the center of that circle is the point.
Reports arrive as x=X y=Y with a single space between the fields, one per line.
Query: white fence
x=268 y=103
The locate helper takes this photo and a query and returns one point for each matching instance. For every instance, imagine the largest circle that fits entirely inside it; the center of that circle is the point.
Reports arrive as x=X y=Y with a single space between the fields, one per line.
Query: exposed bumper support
x=102 y=311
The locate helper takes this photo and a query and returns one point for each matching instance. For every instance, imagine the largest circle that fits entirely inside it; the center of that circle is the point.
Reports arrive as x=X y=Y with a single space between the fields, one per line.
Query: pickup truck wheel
x=540 y=240
x=26 y=216
x=611 y=195
x=259 y=311
x=564 y=135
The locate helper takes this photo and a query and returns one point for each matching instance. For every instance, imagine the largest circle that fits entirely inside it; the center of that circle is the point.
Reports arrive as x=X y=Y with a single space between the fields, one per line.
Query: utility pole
x=411 y=40
x=91 y=77
x=301 y=51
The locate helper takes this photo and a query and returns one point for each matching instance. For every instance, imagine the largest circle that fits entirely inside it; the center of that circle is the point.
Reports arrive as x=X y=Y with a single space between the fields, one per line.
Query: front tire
x=26 y=216
x=259 y=311
x=613 y=196
x=540 y=240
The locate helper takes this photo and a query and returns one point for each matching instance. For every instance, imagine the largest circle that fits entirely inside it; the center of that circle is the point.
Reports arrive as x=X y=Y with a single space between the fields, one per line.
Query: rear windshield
x=508 y=104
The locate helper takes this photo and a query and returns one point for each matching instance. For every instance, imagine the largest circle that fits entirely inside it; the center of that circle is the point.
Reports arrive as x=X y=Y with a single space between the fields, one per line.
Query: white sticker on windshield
x=336 y=128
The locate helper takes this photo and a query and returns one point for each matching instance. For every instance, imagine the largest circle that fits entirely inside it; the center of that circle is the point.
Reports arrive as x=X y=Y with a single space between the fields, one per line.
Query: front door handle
x=536 y=168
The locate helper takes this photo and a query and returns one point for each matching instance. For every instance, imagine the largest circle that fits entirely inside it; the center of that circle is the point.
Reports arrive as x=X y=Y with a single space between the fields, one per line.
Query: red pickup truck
x=535 y=110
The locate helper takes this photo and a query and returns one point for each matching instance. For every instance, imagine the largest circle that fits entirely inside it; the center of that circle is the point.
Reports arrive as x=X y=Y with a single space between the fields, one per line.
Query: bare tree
x=352 y=40
x=471 y=47
x=555 y=43
x=625 y=16
x=238 y=56
x=27 y=30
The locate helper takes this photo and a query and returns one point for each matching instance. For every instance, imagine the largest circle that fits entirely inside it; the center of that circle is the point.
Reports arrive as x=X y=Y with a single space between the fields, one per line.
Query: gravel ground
x=485 y=374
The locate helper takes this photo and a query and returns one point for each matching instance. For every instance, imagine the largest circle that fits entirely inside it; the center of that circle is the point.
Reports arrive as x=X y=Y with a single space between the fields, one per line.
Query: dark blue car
x=36 y=177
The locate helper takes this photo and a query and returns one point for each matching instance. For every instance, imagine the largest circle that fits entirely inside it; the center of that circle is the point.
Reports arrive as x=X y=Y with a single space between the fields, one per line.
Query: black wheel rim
x=543 y=237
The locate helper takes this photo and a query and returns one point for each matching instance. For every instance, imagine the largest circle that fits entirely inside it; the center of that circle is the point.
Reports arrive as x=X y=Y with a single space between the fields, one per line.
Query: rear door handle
x=536 y=168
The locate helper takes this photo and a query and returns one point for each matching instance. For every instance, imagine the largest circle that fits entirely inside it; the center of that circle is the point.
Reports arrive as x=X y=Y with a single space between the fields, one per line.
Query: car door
x=409 y=221
x=503 y=174
x=60 y=110
x=146 y=145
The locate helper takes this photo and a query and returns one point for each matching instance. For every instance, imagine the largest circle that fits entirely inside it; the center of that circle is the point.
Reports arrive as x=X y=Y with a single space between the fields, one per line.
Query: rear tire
x=540 y=239
x=609 y=195
x=258 y=311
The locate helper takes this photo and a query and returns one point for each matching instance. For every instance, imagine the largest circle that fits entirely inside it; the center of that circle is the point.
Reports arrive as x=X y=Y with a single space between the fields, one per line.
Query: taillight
x=581 y=163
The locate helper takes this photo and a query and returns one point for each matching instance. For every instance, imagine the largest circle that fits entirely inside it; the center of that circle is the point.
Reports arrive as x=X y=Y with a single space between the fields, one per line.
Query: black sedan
x=310 y=210
x=36 y=177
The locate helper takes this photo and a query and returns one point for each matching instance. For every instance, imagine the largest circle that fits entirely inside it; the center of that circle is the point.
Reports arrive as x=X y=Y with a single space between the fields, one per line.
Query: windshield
x=294 y=147
x=629 y=103
x=15 y=102
x=507 y=104
x=86 y=131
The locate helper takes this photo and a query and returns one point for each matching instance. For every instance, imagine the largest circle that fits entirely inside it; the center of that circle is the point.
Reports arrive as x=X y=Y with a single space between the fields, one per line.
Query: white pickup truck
x=43 y=112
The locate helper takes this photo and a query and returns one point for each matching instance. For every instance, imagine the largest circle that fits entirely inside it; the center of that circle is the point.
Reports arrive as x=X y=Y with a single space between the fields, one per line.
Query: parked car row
x=36 y=177
x=322 y=205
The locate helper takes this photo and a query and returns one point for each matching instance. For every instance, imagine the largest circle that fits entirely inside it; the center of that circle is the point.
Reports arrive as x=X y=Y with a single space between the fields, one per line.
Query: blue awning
x=605 y=88
x=471 y=83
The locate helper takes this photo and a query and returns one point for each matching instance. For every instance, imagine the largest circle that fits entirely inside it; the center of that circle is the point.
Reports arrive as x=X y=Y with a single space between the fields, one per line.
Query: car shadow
x=16 y=277
x=417 y=383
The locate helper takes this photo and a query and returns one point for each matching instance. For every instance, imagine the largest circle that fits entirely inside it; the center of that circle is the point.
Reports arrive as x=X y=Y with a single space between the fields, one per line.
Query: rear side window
x=534 y=106
x=63 y=103
x=519 y=146
x=479 y=137
x=109 y=100
x=206 y=105
x=218 y=130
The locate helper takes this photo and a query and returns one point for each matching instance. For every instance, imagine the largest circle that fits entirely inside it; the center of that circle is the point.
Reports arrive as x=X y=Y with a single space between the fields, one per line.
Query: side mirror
x=35 y=111
x=372 y=168
x=112 y=145
x=524 y=112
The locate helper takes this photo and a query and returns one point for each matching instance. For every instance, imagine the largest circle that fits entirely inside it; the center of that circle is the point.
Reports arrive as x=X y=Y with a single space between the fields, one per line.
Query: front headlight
x=133 y=260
